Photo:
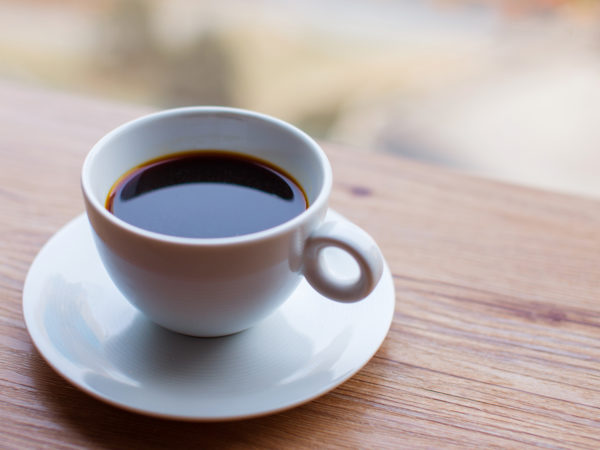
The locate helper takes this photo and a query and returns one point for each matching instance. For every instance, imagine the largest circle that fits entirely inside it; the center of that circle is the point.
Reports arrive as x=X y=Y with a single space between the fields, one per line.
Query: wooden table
x=495 y=339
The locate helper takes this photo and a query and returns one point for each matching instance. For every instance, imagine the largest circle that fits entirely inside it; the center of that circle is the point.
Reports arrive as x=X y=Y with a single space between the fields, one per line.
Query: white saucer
x=89 y=333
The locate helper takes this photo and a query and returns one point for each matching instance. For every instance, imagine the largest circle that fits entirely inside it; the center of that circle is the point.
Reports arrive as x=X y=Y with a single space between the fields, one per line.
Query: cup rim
x=318 y=204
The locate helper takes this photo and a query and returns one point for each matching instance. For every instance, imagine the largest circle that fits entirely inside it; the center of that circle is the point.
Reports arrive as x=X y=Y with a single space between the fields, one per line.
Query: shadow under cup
x=204 y=287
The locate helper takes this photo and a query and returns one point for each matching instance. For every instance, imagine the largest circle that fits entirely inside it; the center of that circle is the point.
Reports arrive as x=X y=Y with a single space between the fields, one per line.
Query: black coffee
x=206 y=194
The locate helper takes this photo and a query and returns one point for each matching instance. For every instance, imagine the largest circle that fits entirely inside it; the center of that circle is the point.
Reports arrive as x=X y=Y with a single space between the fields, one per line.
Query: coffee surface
x=206 y=194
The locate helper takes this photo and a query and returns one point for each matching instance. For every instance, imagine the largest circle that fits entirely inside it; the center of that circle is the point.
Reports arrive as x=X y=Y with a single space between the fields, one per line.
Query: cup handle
x=358 y=244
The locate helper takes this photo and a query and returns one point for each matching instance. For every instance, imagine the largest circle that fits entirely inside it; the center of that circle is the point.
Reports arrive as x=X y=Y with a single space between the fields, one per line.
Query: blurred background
x=508 y=89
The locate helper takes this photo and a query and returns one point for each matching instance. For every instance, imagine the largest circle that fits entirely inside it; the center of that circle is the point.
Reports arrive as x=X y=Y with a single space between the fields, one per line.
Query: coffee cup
x=215 y=286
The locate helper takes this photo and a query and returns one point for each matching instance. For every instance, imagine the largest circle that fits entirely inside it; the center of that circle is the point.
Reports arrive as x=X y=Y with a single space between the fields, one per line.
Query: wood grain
x=495 y=341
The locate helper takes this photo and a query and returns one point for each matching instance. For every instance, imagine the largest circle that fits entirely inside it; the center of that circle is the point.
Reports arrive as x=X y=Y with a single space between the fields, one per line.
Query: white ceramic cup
x=219 y=286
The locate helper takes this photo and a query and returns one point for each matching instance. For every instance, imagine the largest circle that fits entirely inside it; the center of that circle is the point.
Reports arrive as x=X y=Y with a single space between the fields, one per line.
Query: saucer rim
x=46 y=350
